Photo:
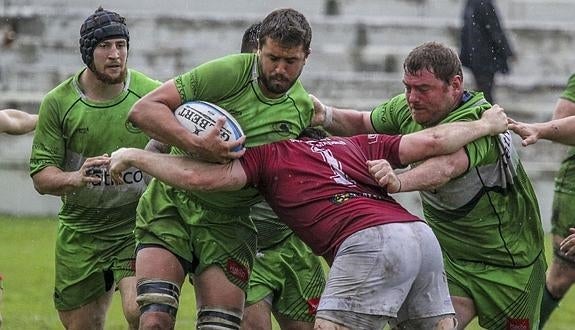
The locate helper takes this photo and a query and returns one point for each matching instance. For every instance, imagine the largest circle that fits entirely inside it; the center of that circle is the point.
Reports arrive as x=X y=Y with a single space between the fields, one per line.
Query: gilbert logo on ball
x=199 y=116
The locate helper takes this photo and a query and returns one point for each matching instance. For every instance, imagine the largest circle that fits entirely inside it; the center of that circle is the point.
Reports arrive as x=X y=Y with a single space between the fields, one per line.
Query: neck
x=97 y=90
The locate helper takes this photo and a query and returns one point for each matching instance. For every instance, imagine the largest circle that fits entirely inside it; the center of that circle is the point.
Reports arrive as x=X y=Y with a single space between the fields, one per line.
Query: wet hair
x=250 y=38
x=288 y=27
x=442 y=61
x=313 y=133
x=101 y=25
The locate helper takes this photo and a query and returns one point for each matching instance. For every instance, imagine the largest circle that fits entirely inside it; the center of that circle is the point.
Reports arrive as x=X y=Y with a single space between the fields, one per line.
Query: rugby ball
x=199 y=116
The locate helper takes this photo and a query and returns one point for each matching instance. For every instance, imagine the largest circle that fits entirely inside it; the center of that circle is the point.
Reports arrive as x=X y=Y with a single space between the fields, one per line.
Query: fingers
x=567 y=246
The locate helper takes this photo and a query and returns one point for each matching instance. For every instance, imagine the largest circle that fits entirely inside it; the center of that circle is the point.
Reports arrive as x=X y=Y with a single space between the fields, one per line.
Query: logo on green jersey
x=283 y=128
x=131 y=128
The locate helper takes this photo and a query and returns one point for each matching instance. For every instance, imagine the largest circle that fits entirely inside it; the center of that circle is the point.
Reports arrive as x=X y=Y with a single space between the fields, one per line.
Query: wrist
x=328 y=120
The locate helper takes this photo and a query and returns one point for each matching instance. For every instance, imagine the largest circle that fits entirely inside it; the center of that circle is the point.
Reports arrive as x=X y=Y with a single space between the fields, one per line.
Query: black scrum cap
x=99 y=26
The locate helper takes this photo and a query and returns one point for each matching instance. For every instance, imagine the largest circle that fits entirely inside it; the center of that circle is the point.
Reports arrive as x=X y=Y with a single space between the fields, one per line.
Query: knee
x=158 y=301
x=218 y=318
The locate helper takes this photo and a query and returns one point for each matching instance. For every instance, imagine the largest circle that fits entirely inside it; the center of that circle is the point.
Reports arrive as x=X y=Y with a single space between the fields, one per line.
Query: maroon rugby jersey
x=322 y=188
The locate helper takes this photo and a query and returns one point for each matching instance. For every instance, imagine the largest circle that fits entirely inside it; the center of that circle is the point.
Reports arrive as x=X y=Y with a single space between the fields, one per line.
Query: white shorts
x=388 y=271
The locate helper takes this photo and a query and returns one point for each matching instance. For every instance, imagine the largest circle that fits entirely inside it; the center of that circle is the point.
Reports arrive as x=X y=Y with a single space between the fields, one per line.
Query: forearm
x=182 y=172
x=448 y=138
x=17 y=122
x=53 y=181
x=434 y=172
x=559 y=130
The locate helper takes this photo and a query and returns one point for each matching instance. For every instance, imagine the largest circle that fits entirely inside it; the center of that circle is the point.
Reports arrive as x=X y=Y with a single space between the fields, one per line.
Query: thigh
x=91 y=316
x=82 y=274
x=159 y=221
x=562 y=218
x=503 y=297
x=257 y=316
x=225 y=240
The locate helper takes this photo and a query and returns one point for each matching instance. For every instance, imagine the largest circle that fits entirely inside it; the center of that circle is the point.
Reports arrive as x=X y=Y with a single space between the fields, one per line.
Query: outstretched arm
x=17 y=122
x=561 y=129
x=431 y=174
x=179 y=171
x=448 y=138
x=341 y=122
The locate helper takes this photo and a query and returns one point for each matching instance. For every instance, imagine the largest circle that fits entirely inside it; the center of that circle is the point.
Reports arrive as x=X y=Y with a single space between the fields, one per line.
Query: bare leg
x=91 y=316
x=257 y=317
x=158 y=264
x=464 y=310
x=127 y=287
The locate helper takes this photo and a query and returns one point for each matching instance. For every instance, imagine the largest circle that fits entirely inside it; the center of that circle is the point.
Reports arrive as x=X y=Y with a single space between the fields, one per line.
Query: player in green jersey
x=478 y=197
x=16 y=122
x=561 y=128
x=210 y=234
x=82 y=119
x=287 y=278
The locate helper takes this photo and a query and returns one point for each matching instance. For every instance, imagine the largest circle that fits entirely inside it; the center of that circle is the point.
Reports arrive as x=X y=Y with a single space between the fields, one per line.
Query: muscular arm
x=561 y=129
x=153 y=114
x=448 y=138
x=341 y=122
x=17 y=122
x=434 y=172
x=431 y=174
x=180 y=171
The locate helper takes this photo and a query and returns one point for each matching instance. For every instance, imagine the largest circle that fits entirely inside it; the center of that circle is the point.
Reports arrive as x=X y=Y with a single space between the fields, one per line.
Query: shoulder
x=141 y=82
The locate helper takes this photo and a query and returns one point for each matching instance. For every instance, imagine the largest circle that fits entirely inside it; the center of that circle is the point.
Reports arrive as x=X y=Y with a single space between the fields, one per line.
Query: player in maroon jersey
x=386 y=264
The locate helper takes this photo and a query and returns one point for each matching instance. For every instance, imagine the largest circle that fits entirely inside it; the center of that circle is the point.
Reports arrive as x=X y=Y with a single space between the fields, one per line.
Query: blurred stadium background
x=358 y=48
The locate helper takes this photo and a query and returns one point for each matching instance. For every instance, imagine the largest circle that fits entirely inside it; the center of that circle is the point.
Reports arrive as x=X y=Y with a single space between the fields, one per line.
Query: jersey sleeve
x=380 y=146
x=48 y=146
x=253 y=161
x=390 y=116
x=215 y=80
x=569 y=92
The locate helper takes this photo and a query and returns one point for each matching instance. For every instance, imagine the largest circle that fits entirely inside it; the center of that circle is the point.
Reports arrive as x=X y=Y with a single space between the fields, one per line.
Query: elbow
x=445 y=173
x=40 y=188
x=199 y=183
x=136 y=113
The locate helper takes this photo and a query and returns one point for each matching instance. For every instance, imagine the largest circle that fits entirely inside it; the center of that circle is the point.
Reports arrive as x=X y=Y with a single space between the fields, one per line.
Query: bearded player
x=82 y=119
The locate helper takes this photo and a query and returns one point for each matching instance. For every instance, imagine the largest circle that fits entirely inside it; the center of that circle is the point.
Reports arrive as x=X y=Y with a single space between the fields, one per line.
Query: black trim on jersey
x=498 y=219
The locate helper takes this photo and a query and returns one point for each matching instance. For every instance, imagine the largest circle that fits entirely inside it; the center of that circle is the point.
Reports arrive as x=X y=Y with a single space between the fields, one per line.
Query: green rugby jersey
x=490 y=213
x=565 y=179
x=232 y=83
x=72 y=128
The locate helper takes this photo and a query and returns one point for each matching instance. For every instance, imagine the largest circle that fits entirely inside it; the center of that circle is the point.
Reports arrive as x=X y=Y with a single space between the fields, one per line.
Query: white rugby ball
x=199 y=116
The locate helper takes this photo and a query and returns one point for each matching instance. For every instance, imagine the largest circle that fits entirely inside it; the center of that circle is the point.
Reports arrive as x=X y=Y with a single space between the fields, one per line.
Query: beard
x=107 y=79
x=274 y=86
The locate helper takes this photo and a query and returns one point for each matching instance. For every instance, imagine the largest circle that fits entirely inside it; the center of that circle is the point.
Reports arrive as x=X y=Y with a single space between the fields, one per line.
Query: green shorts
x=292 y=275
x=200 y=235
x=88 y=265
x=505 y=298
x=562 y=218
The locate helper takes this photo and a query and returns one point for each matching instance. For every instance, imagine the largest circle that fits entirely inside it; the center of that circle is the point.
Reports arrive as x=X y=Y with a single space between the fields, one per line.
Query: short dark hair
x=250 y=38
x=435 y=57
x=288 y=27
x=313 y=133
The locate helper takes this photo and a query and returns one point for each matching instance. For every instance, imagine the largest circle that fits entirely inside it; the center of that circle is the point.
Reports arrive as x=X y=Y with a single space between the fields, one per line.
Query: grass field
x=26 y=261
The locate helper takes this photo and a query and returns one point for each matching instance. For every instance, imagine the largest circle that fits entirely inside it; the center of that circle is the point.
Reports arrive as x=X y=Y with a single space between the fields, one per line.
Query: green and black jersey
x=72 y=128
x=490 y=213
